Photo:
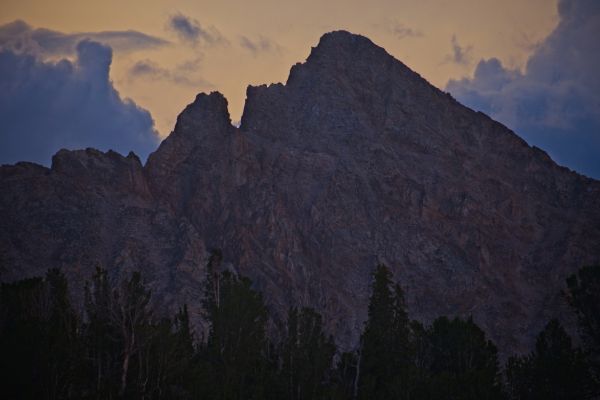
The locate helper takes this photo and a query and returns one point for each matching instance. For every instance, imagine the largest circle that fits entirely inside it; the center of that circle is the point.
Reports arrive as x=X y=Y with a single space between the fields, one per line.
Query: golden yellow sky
x=505 y=29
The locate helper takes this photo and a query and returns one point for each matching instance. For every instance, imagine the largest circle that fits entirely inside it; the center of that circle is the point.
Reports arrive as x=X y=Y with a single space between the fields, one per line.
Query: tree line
x=119 y=347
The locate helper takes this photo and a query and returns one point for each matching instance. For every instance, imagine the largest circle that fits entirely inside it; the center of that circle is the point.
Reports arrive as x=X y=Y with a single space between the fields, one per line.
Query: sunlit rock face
x=356 y=160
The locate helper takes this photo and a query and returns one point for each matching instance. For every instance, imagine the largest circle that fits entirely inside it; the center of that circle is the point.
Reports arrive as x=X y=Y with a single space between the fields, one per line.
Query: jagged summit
x=356 y=160
x=346 y=55
x=342 y=38
x=339 y=47
x=206 y=109
x=342 y=50
x=342 y=68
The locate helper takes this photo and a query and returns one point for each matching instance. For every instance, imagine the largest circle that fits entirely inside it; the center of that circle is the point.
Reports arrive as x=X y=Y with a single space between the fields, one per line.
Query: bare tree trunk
x=357 y=376
x=129 y=346
x=124 y=373
x=99 y=375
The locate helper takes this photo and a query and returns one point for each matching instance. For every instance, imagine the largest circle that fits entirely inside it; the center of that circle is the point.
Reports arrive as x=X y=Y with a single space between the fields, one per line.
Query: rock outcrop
x=355 y=160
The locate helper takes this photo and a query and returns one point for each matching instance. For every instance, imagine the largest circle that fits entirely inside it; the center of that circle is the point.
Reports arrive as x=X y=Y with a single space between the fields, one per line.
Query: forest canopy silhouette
x=115 y=345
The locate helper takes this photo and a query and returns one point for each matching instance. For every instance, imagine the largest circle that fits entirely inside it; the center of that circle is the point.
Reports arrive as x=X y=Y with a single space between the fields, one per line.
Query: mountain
x=356 y=160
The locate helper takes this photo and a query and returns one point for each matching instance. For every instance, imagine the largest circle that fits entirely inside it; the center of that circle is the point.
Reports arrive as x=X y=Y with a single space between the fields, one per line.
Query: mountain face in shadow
x=356 y=160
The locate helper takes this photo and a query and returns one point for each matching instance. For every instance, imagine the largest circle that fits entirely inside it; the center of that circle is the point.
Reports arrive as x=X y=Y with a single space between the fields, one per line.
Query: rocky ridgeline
x=356 y=160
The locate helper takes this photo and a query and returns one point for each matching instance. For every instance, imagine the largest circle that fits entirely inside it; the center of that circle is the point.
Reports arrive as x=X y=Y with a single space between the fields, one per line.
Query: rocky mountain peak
x=342 y=50
x=68 y=161
x=344 y=56
x=200 y=121
x=93 y=167
x=355 y=160
x=207 y=114
x=348 y=88
x=202 y=128
x=210 y=110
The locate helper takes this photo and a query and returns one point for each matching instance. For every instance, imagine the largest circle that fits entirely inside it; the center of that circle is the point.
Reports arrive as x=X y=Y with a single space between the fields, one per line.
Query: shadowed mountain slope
x=355 y=160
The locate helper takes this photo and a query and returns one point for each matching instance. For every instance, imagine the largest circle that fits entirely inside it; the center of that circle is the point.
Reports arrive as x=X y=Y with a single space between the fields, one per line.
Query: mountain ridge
x=356 y=160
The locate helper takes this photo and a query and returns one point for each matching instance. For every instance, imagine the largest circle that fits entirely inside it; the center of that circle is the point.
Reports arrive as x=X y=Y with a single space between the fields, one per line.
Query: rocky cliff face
x=355 y=160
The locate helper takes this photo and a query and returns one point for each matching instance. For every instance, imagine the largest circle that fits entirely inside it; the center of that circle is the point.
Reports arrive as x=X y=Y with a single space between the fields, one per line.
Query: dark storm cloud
x=259 y=45
x=48 y=106
x=190 y=30
x=21 y=37
x=555 y=103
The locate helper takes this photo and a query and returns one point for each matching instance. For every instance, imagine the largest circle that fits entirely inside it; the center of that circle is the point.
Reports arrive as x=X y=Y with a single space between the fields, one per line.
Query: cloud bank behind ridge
x=46 y=106
x=555 y=103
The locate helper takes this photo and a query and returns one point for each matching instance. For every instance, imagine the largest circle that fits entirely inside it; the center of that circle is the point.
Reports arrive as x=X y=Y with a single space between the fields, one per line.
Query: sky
x=115 y=74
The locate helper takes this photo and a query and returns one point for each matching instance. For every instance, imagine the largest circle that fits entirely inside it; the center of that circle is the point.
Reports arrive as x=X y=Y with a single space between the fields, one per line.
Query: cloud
x=20 y=37
x=460 y=55
x=191 y=65
x=526 y=41
x=147 y=68
x=47 y=106
x=398 y=29
x=402 y=31
x=189 y=30
x=183 y=74
x=555 y=103
x=259 y=45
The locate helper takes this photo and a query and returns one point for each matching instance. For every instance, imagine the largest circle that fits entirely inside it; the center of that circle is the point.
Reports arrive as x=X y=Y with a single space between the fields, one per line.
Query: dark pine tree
x=38 y=336
x=131 y=316
x=163 y=370
x=62 y=341
x=385 y=355
x=237 y=343
x=343 y=380
x=554 y=370
x=583 y=294
x=101 y=338
x=21 y=336
x=462 y=363
x=307 y=356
